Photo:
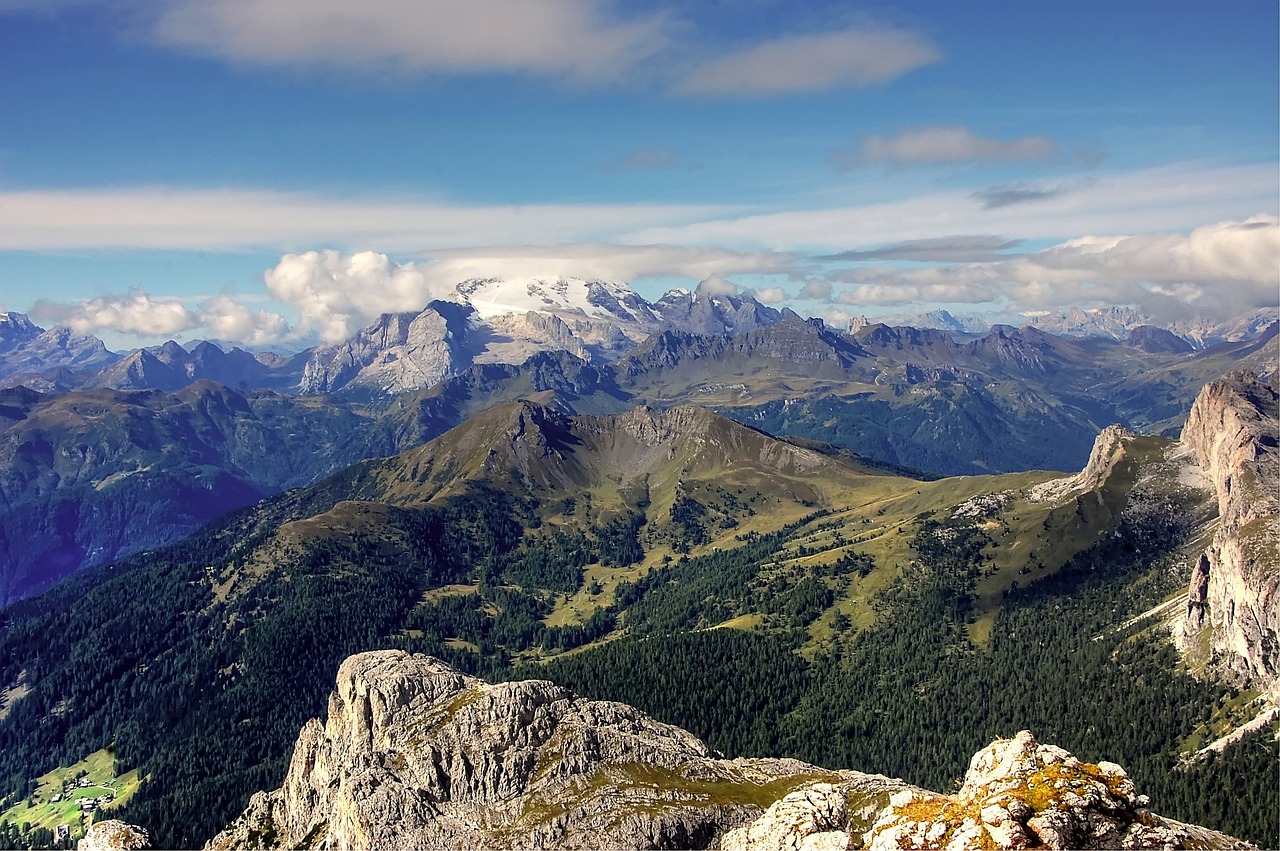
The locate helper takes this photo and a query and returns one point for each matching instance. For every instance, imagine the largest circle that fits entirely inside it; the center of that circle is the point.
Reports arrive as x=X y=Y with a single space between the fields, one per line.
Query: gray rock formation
x=417 y=755
x=1019 y=793
x=1233 y=607
x=1108 y=449
x=400 y=351
x=22 y=352
x=114 y=835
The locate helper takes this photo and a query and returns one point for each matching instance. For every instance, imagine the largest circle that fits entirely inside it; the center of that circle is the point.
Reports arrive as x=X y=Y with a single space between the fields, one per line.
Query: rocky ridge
x=1234 y=594
x=416 y=754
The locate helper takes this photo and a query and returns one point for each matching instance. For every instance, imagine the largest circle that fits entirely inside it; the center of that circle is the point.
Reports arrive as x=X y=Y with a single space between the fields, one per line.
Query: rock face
x=21 y=351
x=1022 y=794
x=1234 y=594
x=415 y=754
x=114 y=835
x=400 y=351
x=1108 y=449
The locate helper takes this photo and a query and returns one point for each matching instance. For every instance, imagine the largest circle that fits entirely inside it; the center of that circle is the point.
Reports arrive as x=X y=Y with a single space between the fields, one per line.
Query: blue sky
x=219 y=168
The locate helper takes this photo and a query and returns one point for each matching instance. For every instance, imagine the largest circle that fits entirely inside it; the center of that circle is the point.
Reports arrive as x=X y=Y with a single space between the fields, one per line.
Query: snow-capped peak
x=592 y=299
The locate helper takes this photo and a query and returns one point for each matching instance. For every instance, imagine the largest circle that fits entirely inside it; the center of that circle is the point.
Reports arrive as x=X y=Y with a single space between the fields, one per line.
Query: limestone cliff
x=1233 y=607
x=415 y=754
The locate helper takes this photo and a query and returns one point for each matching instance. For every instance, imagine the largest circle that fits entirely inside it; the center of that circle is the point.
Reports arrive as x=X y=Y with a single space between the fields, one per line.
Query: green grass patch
x=98 y=769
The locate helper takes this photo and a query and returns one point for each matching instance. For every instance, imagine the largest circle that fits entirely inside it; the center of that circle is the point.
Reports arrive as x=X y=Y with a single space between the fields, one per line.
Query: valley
x=662 y=558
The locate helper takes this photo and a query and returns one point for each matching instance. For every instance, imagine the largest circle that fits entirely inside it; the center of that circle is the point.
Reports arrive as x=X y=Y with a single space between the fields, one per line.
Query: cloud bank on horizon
x=370 y=155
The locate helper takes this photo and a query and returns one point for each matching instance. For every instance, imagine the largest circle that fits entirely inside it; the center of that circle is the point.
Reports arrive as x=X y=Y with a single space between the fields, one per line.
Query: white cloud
x=714 y=286
x=858 y=56
x=221 y=219
x=228 y=319
x=770 y=295
x=1219 y=270
x=337 y=294
x=817 y=289
x=607 y=262
x=905 y=293
x=137 y=314
x=1167 y=199
x=942 y=144
x=574 y=39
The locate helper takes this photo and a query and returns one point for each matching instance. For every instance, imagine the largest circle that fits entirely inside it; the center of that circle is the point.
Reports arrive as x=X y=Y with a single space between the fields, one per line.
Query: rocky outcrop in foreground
x=1019 y=793
x=1233 y=608
x=415 y=754
x=114 y=835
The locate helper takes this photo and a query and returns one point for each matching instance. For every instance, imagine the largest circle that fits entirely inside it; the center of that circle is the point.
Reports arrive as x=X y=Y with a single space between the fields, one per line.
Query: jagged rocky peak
x=652 y=427
x=415 y=754
x=1233 y=431
x=1108 y=450
x=397 y=352
x=17 y=328
x=1019 y=793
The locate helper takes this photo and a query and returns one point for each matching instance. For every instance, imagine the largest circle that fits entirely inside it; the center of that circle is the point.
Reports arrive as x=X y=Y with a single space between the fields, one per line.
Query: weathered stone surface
x=114 y=835
x=1108 y=450
x=1019 y=793
x=416 y=754
x=1234 y=593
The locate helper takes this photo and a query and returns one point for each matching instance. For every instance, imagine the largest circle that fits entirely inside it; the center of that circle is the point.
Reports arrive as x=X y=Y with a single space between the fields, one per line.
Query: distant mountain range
x=1116 y=323
x=73 y=464
x=506 y=321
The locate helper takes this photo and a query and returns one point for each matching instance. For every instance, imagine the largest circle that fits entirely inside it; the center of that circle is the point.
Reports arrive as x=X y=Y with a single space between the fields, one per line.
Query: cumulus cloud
x=1219 y=270
x=714 y=286
x=228 y=319
x=857 y=56
x=769 y=295
x=646 y=159
x=817 y=289
x=872 y=294
x=337 y=294
x=575 y=39
x=137 y=314
x=944 y=249
x=949 y=144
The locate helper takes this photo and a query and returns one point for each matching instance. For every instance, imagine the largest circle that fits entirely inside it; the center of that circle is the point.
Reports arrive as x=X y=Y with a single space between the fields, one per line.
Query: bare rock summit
x=415 y=754
x=1019 y=793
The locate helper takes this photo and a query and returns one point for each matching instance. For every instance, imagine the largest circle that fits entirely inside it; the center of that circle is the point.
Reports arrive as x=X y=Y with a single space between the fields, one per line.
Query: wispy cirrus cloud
x=860 y=56
x=229 y=219
x=941 y=144
x=1008 y=194
x=943 y=249
x=1219 y=270
x=580 y=40
x=586 y=43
